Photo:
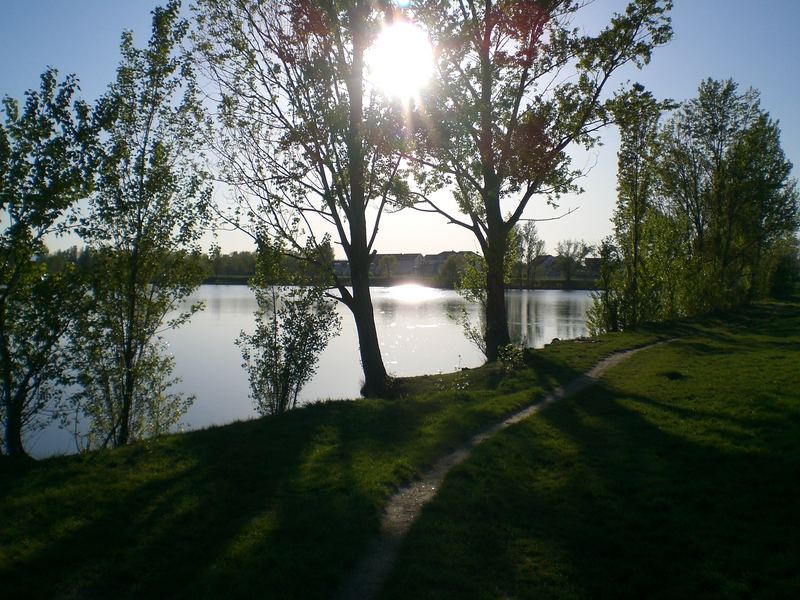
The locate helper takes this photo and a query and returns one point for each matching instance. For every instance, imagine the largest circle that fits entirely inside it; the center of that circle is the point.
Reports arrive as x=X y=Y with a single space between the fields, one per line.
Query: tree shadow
x=613 y=494
x=278 y=506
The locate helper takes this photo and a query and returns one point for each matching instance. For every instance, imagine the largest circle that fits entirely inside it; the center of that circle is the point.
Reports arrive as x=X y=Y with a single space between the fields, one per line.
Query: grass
x=646 y=469
x=677 y=477
x=280 y=506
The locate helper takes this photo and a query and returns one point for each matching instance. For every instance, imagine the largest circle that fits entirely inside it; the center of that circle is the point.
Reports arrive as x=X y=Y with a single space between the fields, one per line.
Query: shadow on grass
x=280 y=507
x=626 y=494
x=277 y=507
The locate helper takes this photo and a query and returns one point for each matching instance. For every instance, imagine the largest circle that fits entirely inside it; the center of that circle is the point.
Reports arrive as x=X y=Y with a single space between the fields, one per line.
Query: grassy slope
x=279 y=507
x=681 y=470
x=677 y=477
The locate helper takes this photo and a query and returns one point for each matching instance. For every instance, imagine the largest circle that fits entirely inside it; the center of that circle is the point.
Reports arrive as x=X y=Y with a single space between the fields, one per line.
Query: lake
x=416 y=333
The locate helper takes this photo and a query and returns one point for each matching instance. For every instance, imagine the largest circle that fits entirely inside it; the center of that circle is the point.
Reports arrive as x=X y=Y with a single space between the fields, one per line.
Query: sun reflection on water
x=411 y=293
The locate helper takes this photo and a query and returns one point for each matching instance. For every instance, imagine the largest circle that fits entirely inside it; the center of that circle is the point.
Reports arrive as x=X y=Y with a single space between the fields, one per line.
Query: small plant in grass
x=294 y=323
x=512 y=357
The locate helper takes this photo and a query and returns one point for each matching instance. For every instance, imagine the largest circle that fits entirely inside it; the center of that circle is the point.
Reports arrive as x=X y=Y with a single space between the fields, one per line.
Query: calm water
x=415 y=330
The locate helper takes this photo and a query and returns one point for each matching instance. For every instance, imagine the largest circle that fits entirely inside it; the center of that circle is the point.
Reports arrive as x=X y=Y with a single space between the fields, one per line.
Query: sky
x=755 y=43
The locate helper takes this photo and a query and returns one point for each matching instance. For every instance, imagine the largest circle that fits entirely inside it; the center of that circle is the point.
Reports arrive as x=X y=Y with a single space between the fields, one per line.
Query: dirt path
x=366 y=579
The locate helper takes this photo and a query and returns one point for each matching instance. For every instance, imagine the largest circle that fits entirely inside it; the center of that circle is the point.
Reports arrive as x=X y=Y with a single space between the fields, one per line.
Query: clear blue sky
x=755 y=43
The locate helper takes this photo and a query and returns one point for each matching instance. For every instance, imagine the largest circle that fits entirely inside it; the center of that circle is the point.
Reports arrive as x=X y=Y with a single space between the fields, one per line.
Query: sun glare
x=412 y=293
x=400 y=62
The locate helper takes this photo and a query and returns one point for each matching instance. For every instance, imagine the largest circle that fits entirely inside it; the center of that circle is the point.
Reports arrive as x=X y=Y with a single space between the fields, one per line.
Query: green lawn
x=278 y=507
x=677 y=477
x=680 y=473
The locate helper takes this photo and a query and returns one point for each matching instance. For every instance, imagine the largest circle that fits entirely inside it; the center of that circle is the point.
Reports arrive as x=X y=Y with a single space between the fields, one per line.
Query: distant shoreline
x=585 y=285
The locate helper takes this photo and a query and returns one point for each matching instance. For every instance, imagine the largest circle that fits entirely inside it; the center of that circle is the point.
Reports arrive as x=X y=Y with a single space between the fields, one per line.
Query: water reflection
x=416 y=331
x=535 y=317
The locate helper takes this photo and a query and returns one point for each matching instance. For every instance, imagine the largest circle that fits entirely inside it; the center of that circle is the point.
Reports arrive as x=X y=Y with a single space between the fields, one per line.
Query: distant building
x=432 y=263
x=547 y=267
x=400 y=265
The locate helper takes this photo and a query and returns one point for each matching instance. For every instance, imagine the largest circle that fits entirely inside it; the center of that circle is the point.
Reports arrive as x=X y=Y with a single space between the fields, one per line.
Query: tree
x=45 y=168
x=533 y=247
x=722 y=168
x=637 y=115
x=604 y=313
x=294 y=323
x=386 y=264
x=307 y=148
x=570 y=256
x=516 y=86
x=705 y=207
x=143 y=227
x=452 y=270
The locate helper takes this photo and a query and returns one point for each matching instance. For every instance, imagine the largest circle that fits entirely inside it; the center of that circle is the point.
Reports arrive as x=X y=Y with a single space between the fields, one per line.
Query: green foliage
x=705 y=204
x=472 y=287
x=786 y=276
x=145 y=220
x=45 y=168
x=386 y=265
x=722 y=168
x=604 y=313
x=293 y=326
x=451 y=271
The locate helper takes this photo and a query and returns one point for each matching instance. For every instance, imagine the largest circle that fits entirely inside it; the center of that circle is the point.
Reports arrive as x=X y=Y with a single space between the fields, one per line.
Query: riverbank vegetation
x=707 y=210
x=675 y=475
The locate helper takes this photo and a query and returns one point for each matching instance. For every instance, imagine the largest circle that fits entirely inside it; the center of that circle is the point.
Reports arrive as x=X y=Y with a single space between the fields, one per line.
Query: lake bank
x=689 y=460
x=415 y=327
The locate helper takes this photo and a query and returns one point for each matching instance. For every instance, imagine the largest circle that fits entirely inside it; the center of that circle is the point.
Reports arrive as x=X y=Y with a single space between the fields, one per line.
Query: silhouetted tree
x=517 y=85
x=387 y=264
x=306 y=147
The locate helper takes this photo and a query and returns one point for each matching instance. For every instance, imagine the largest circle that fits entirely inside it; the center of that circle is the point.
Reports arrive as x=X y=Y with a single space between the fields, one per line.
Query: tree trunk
x=376 y=382
x=123 y=436
x=496 y=317
x=375 y=379
x=12 y=403
x=13 y=429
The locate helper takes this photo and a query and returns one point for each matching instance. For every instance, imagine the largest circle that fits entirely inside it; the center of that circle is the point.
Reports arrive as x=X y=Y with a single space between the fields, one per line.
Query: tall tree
x=45 y=167
x=722 y=168
x=308 y=148
x=143 y=227
x=516 y=86
x=637 y=114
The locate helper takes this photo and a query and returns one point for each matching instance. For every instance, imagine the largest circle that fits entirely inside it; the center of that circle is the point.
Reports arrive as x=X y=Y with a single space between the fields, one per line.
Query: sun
x=400 y=62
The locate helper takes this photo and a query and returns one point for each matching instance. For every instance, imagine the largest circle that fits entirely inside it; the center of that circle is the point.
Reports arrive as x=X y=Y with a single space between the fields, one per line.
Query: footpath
x=403 y=508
